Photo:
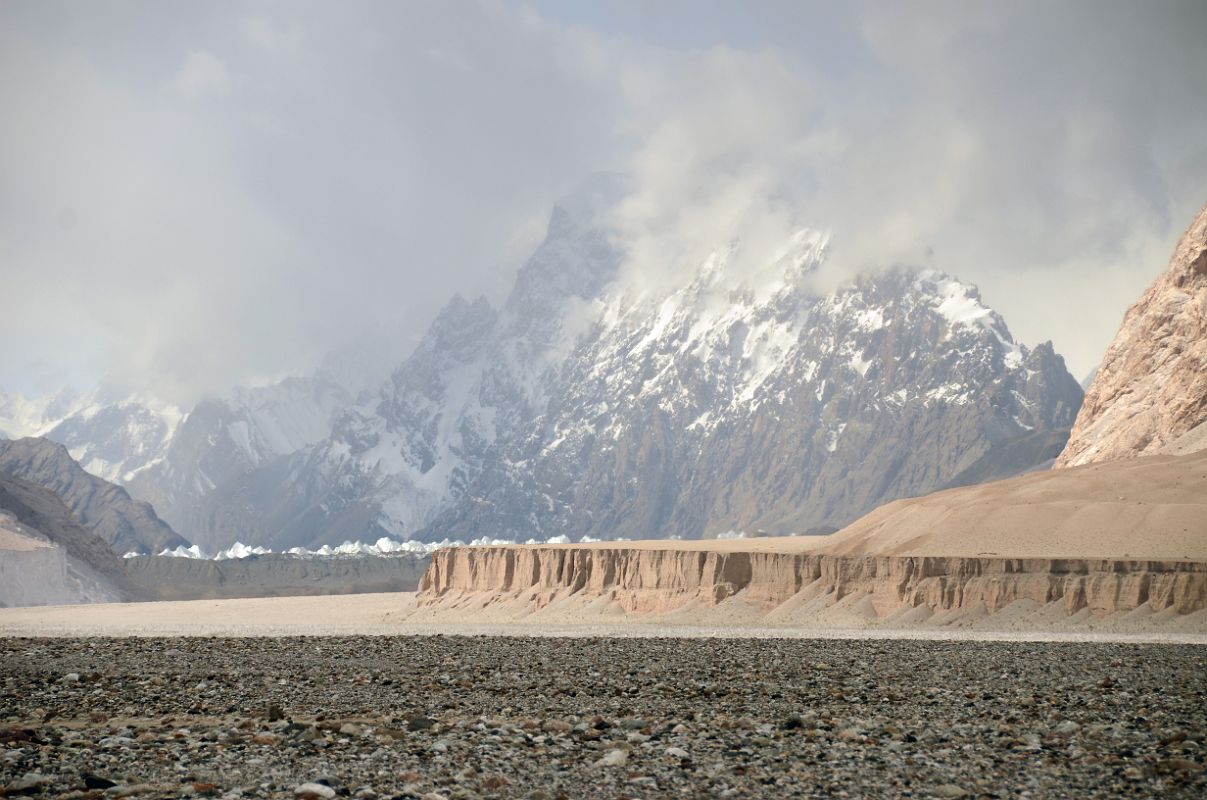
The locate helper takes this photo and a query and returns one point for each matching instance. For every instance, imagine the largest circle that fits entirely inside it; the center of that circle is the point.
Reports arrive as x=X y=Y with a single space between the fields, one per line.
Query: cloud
x=285 y=38
x=1052 y=160
x=1051 y=155
x=202 y=73
x=355 y=184
x=352 y=167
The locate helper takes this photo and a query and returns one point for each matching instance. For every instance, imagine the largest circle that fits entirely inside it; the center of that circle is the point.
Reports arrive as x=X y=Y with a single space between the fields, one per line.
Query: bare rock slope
x=46 y=556
x=1150 y=394
x=107 y=510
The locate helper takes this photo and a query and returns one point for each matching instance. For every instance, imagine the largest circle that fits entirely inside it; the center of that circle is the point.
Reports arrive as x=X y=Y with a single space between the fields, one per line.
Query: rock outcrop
x=125 y=524
x=1151 y=389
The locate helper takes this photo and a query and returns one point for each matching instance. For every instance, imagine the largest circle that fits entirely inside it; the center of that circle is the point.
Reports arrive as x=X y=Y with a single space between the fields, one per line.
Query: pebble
x=314 y=791
x=1066 y=728
x=613 y=758
x=463 y=718
x=27 y=782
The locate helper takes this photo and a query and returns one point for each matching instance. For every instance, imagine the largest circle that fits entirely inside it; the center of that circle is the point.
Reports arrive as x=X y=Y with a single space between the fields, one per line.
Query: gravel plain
x=486 y=716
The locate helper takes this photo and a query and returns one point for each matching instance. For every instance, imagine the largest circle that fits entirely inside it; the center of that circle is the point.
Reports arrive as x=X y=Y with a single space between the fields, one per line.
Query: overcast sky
x=197 y=195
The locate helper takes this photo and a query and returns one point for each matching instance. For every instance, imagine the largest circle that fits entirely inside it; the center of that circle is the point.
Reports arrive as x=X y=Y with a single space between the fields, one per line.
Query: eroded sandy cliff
x=663 y=580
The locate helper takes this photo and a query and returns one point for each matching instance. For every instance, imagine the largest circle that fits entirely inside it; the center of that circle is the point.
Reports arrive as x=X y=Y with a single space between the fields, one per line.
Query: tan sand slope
x=1151 y=508
x=249 y=616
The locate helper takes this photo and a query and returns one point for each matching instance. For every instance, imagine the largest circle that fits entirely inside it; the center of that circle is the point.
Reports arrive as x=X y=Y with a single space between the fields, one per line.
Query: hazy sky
x=194 y=195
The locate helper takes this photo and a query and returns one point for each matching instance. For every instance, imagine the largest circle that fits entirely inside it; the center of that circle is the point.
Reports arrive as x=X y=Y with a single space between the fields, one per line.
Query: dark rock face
x=1027 y=453
x=103 y=508
x=93 y=569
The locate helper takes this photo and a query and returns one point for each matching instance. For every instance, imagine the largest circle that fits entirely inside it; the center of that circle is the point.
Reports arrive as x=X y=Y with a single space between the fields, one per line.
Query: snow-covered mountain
x=221 y=441
x=732 y=399
x=112 y=437
x=594 y=401
x=173 y=458
x=20 y=416
x=765 y=408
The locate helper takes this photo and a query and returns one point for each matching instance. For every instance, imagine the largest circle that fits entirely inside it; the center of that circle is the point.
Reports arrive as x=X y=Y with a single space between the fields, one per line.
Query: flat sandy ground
x=396 y=614
x=11 y=539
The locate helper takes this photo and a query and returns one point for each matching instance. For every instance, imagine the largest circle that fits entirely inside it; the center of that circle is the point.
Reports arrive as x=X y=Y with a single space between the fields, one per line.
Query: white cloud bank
x=202 y=195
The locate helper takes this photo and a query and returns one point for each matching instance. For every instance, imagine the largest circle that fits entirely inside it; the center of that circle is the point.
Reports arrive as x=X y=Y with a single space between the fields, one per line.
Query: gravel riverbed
x=466 y=717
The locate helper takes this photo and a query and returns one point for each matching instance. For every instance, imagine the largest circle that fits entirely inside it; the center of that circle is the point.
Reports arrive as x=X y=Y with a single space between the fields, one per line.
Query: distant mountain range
x=591 y=403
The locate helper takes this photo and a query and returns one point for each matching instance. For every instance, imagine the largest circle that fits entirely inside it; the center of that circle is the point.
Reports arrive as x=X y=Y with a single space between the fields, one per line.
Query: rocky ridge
x=46 y=556
x=659 y=581
x=1151 y=388
x=125 y=524
x=1103 y=539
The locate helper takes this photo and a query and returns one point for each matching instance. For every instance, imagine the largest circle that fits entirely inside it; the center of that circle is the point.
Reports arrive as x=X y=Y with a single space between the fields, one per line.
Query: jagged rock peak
x=1150 y=393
